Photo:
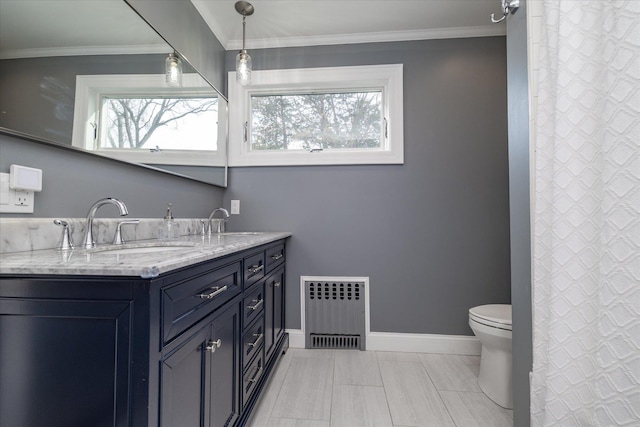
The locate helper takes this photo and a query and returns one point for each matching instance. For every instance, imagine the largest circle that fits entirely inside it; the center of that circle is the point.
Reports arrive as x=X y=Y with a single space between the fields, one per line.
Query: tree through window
x=339 y=120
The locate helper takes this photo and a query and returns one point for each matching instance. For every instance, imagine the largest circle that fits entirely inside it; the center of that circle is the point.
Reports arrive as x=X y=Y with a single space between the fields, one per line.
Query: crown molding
x=391 y=36
x=85 y=51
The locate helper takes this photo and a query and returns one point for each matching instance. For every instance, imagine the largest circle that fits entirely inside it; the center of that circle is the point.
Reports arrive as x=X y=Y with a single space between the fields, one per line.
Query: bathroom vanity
x=186 y=336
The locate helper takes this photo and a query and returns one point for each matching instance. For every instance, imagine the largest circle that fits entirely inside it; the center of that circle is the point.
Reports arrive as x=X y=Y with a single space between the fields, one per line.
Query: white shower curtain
x=586 y=216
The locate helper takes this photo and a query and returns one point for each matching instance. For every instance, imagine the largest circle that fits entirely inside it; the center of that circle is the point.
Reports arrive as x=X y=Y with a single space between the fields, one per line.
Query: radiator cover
x=335 y=314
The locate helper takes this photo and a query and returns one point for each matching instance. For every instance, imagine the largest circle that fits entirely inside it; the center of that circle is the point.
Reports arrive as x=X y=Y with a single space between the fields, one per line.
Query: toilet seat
x=492 y=315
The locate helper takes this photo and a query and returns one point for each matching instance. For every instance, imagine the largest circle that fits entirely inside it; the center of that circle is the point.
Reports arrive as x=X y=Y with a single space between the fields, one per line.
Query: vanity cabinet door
x=183 y=384
x=274 y=310
x=224 y=378
x=199 y=379
x=64 y=362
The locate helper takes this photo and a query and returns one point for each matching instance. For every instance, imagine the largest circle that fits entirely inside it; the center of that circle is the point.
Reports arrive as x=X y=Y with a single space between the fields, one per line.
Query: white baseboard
x=408 y=343
x=424 y=343
x=296 y=338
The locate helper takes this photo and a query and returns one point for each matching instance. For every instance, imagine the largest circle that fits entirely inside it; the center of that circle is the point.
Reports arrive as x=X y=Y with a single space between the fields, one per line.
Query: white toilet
x=492 y=325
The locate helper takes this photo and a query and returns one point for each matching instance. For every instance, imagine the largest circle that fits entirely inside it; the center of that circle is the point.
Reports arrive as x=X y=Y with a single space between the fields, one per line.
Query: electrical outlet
x=14 y=201
x=21 y=198
x=235 y=207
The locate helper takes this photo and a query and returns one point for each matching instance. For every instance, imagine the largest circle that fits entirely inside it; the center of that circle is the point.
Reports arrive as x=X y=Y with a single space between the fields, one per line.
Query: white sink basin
x=146 y=249
x=241 y=233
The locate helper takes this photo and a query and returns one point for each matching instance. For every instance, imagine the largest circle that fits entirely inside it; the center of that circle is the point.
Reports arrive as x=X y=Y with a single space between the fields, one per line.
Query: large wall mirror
x=91 y=75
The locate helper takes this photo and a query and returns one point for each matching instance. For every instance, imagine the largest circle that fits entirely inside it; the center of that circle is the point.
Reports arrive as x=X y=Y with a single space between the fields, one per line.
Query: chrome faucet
x=88 y=237
x=220 y=225
x=66 y=243
x=117 y=239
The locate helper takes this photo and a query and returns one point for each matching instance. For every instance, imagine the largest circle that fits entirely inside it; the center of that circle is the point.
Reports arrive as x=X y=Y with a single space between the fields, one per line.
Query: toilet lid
x=496 y=315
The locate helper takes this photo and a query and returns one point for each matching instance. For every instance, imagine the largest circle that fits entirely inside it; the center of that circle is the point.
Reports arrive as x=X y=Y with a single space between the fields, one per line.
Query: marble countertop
x=181 y=252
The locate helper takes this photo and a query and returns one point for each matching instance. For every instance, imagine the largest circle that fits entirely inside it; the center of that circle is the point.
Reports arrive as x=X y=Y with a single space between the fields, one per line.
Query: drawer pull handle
x=255 y=377
x=257 y=304
x=213 y=345
x=276 y=257
x=216 y=291
x=276 y=284
x=255 y=268
x=257 y=341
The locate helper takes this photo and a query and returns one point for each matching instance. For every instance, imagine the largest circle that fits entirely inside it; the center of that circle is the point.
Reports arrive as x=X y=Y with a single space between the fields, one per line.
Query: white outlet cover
x=12 y=201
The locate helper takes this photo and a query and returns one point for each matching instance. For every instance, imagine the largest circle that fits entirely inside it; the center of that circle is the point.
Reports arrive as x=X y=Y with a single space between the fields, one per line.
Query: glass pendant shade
x=243 y=60
x=243 y=68
x=173 y=70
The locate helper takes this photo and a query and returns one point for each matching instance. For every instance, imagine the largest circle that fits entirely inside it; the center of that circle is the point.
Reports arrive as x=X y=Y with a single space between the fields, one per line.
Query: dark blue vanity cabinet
x=65 y=352
x=193 y=347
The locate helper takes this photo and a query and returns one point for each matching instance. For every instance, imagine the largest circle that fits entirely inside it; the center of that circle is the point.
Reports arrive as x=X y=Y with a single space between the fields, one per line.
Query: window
x=157 y=123
x=138 y=118
x=342 y=115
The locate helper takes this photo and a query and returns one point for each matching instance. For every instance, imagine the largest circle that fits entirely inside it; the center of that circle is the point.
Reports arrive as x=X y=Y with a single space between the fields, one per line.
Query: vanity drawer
x=251 y=377
x=252 y=342
x=188 y=301
x=253 y=305
x=253 y=269
x=274 y=256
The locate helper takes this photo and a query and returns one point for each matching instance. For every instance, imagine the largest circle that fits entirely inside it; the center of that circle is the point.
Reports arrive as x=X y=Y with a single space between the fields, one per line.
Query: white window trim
x=387 y=77
x=89 y=90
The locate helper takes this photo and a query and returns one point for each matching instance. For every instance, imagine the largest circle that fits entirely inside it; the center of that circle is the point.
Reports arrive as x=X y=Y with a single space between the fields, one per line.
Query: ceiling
x=281 y=23
x=75 y=24
x=31 y=28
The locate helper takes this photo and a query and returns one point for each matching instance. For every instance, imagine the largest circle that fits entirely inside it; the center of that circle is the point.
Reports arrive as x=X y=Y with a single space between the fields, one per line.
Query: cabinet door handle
x=255 y=376
x=216 y=291
x=257 y=304
x=213 y=345
x=255 y=268
x=276 y=257
x=257 y=341
x=276 y=284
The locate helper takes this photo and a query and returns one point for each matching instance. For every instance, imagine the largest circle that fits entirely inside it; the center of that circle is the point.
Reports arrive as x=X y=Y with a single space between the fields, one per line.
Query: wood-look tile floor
x=350 y=388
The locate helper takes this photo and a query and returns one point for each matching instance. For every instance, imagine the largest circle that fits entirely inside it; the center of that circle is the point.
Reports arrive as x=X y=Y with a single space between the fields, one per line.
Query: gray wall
x=73 y=180
x=519 y=187
x=432 y=234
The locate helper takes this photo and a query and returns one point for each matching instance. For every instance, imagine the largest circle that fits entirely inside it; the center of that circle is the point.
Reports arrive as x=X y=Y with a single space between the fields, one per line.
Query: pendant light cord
x=244 y=27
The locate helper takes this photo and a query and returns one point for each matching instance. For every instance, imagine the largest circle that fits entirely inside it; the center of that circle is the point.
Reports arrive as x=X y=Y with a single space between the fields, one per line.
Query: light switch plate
x=235 y=207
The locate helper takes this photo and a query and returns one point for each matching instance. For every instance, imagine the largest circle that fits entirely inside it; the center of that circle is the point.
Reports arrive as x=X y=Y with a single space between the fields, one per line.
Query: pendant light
x=243 y=60
x=173 y=70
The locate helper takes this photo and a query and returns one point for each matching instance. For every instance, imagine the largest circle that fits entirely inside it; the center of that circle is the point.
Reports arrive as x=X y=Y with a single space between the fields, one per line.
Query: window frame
x=388 y=78
x=89 y=92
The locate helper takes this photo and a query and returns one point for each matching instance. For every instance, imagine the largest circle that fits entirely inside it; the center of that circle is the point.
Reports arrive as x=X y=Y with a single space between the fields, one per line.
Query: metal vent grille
x=334 y=291
x=335 y=341
x=334 y=314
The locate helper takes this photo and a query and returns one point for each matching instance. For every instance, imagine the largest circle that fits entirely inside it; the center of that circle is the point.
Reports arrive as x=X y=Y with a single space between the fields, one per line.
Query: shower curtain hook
x=508 y=6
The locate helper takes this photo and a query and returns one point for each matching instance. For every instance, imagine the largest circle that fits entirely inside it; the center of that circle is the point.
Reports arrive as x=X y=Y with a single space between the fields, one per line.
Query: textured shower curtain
x=586 y=216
